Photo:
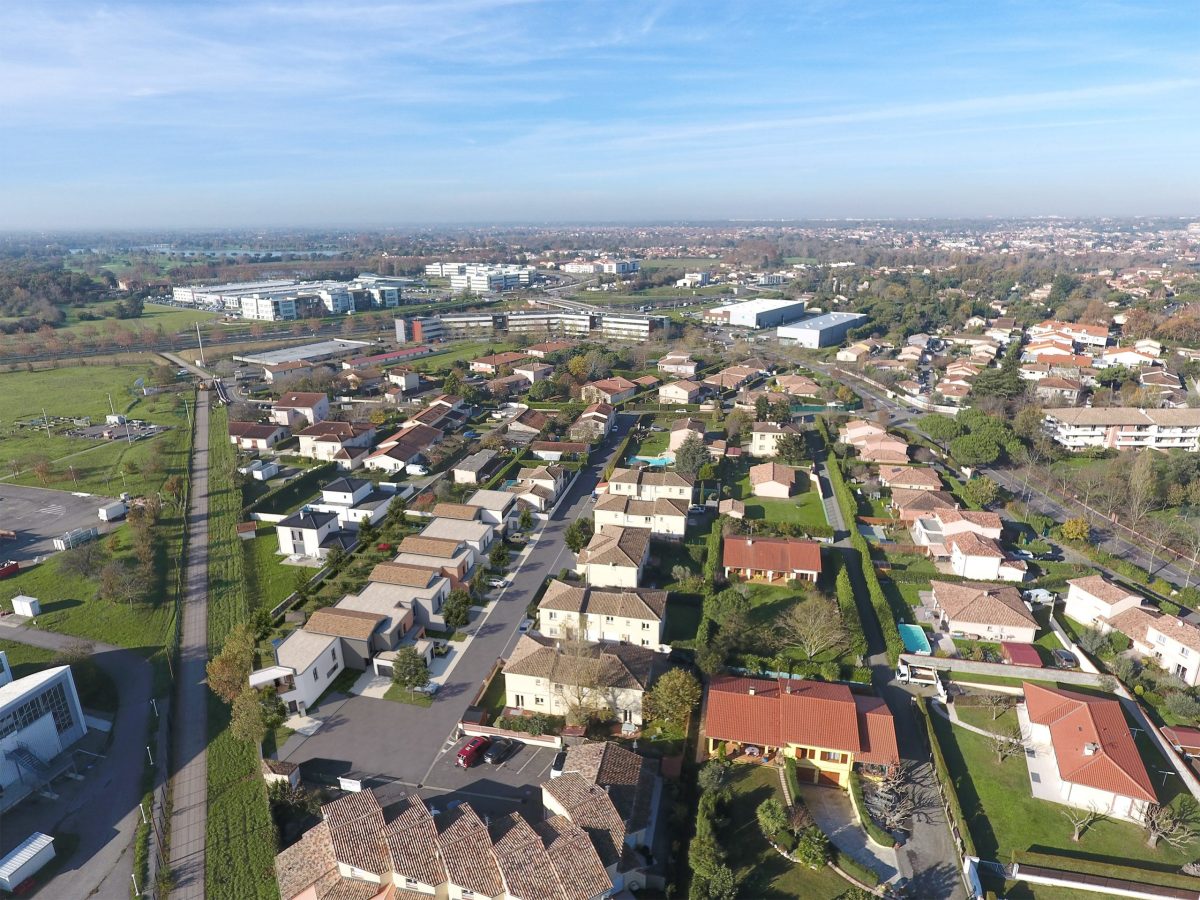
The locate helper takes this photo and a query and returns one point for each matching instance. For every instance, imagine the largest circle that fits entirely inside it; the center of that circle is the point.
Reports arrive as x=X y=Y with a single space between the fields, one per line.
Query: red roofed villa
x=1084 y=755
x=824 y=727
x=771 y=559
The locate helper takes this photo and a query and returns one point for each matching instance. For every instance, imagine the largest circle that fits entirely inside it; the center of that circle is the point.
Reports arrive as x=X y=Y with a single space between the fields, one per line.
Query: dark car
x=1064 y=659
x=471 y=751
x=501 y=749
x=1050 y=556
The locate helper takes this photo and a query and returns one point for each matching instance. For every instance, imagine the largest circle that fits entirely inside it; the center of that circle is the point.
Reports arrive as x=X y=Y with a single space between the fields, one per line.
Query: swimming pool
x=653 y=460
x=914 y=638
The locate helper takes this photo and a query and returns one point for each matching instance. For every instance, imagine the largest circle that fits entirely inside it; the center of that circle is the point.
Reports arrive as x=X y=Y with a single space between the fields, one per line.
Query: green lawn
x=493 y=698
x=803 y=507
x=655 y=443
x=700 y=263
x=467 y=351
x=154 y=316
x=403 y=695
x=684 y=612
x=1003 y=816
x=228 y=602
x=267 y=580
x=765 y=874
x=96 y=690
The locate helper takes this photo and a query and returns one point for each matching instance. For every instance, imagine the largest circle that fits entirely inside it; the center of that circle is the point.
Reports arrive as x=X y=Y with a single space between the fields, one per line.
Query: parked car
x=501 y=749
x=524 y=627
x=560 y=761
x=9 y=568
x=1050 y=556
x=1023 y=554
x=1064 y=659
x=696 y=509
x=497 y=583
x=471 y=752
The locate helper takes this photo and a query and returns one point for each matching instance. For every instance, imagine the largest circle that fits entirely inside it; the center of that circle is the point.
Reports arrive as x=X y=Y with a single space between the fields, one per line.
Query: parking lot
x=38 y=516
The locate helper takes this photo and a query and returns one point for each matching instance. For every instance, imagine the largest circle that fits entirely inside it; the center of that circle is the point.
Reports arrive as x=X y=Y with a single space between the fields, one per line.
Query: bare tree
x=893 y=802
x=1007 y=743
x=814 y=624
x=997 y=703
x=1162 y=823
x=1190 y=536
x=578 y=677
x=1156 y=532
x=1083 y=819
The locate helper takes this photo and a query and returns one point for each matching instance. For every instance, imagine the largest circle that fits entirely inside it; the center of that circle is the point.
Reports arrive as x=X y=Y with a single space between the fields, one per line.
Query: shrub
x=813 y=847
x=535 y=725
x=1183 y=706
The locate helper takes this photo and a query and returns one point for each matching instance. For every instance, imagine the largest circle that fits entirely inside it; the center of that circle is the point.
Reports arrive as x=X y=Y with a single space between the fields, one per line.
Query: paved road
x=405 y=743
x=189 y=758
x=103 y=809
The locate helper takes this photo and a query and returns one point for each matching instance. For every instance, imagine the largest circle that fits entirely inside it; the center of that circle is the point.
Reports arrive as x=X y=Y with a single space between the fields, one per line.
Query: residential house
x=1095 y=601
x=1128 y=357
x=735 y=509
x=306 y=663
x=542 y=351
x=297 y=409
x=542 y=675
x=528 y=425
x=634 y=616
x=554 y=451
x=446 y=412
x=664 y=518
x=1087 y=741
x=873 y=442
x=910 y=505
x=986 y=611
x=1171 y=642
x=1053 y=389
x=464 y=512
x=1088 y=335
x=346 y=443
x=476 y=468
x=357 y=852
x=644 y=485
x=594 y=423
x=647 y=381
x=680 y=392
x=540 y=486
x=955 y=394
x=312 y=534
x=507 y=385
x=404 y=447
x=291 y=369
x=824 y=727
x=495 y=507
x=453 y=557
x=354 y=501
x=856 y=352
x=934 y=531
x=609 y=390
x=253 y=436
x=682 y=429
x=533 y=372
x=476 y=535
x=680 y=364
x=614 y=557
x=764 y=437
x=975 y=556
x=491 y=365
x=732 y=378
x=797 y=386
x=408 y=380
x=772 y=480
x=424 y=589
x=771 y=559
x=913 y=478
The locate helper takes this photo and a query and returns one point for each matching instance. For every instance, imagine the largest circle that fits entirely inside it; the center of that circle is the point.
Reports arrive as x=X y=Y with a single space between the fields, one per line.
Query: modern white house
x=764 y=437
x=1095 y=601
x=973 y=556
x=312 y=534
x=40 y=717
x=354 y=501
x=497 y=508
x=477 y=535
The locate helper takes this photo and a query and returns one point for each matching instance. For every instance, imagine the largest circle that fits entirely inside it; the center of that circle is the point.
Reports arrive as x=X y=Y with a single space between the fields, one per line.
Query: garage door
x=833 y=779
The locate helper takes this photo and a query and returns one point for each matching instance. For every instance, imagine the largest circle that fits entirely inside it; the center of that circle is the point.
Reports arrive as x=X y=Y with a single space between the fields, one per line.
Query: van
x=472 y=751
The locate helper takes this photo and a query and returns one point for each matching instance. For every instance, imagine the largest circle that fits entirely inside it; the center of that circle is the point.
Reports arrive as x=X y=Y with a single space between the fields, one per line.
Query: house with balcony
x=643 y=485
x=632 y=615
x=933 y=531
x=1124 y=428
x=824 y=727
x=312 y=534
x=354 y=501
x=1171 y=643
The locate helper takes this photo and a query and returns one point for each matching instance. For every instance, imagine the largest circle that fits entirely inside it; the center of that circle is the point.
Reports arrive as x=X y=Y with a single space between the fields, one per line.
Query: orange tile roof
x=1091 y=739
x=772 y=554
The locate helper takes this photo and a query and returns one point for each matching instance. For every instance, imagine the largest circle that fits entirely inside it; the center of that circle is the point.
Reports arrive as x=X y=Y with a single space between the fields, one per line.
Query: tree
x=578 y=534
x=771 y=818
x=723 y=884
x=941 y=428
x=980 y=491
x=409 y=670
x=1173 y=825
x=691 y=455
x=975 y=450
x=762 y=408
x=1082 y=819
x=121 y=581
x=1183 y=705
x=714 y=776
x=247 y=722
x=790 y=448
x=1007 y=743
x=674 y=696
x=781 y=411
x=998 y=703
x=82 y=561
x=1076 y=530
x=892 y=802
x=1093 y=640
x=815 y=624
x=456 y=611
x=229 y=669
x=525 y=520
x=498 y=557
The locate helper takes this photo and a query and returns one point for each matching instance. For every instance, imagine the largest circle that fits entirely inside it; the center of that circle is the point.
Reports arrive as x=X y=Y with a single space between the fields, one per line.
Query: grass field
x=804 y=507
x=1004 y=816
x=267 y=581
x=441 y=362
x=170 y=319
x=96 y=690
x=227 y=600
x=764 y=873
x=681 y=262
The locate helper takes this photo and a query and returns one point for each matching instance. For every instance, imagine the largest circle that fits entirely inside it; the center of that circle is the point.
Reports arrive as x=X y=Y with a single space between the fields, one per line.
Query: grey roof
x=310 y=519
x=346 y=485
x=476 y=462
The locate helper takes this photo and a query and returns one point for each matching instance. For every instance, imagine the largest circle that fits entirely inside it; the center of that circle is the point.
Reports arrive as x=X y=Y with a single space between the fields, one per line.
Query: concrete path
x=102 y=809
x=832 y=811
x=190 y=781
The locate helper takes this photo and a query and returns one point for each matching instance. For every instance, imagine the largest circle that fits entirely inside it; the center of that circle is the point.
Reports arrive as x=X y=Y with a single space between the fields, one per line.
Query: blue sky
x=318 y=112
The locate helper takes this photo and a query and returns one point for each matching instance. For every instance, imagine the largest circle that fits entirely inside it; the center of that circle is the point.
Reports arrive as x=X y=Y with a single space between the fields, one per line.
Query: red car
x=8 y=569
x=472 y=751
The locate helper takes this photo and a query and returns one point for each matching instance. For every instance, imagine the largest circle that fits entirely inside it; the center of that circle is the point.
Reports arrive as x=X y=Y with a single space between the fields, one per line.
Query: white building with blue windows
x=40 y=717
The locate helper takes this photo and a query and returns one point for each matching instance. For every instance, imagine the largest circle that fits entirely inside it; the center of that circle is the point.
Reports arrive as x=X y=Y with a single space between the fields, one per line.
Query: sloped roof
x=399 y=573
x=1092 y=742
x=921 y=501
x=771 y=554
x=627 y=777
x=411 y=839
x=909 y=475
x=971 y=544
x=355 y=827
x=590 y=808
x=1103 y=589
x=616 y=545
x=574 y=858
x=437 y=547
x=768 y=472
x=631 y=603
x=346 y=623
x=466 y=848
x=462 y=511
x=985 y=604
x=604 y=663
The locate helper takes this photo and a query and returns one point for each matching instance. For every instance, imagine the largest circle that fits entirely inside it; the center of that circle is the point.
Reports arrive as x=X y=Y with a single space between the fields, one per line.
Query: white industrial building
x=40 y=717
x=763 y=313
x=286 y=299
x=820 y=331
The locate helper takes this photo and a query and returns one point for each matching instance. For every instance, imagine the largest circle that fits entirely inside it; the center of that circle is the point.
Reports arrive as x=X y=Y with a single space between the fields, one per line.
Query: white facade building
x=40 y=717
x=1124 y=428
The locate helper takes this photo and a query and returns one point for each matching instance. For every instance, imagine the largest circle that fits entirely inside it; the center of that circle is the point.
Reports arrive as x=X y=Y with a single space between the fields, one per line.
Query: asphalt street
x=403 y=744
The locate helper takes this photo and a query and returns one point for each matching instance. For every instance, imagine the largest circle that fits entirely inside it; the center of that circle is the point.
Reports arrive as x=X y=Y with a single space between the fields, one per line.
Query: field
x=1004 y=816
x=441 y=362
x=170 y=319
x=682 y=262
x=95 y=688
x=267 y=581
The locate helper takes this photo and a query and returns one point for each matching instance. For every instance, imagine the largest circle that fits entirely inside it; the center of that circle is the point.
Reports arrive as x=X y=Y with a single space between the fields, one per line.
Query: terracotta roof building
x=823 y=726
x=636 y=616
x=989 y=611
x=771 y=559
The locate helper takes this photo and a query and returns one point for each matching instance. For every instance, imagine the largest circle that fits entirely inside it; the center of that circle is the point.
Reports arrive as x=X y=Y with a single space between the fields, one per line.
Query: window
x=1183 y=652
x=539 y=701
x=316 y=675
x=608 y=619
x=519 y=699
x=830 y=756
x=645 y=626
x=332 y=671
x=552 y=615
x=333 y=653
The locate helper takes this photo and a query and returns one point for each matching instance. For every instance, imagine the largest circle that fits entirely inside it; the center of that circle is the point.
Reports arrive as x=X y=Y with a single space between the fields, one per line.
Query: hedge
x=712 y=562
x=849 y=609
x=793 y=780
x=619 y=456
x=943 y=772
x=302 y=486
x=1106 y=870
x=877 y=834
x=505 y=470
x=536 y=724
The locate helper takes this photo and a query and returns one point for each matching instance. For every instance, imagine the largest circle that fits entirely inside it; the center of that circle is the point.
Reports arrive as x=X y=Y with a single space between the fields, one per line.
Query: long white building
x=290 y=299
x=1124 y=428
x=40 y=717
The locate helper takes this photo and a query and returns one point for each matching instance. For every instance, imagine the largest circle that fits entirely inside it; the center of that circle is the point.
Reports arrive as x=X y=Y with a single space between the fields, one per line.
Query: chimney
x=750 y=691
x=788 y=686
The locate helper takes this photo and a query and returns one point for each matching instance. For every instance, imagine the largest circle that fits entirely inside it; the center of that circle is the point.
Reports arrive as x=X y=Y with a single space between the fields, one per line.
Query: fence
x=470 y=729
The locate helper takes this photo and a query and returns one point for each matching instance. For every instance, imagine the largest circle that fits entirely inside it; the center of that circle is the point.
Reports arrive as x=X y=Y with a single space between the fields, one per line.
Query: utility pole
x=201 y=343
x=46 y=421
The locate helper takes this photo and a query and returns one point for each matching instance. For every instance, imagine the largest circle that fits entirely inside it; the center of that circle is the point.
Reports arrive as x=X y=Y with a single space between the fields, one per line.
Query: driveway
x=832 y=810
x=102 y=810
x=396 y=741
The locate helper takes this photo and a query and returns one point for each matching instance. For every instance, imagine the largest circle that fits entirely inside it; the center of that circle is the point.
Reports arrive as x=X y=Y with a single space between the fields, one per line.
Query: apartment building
x=635 y=616
x=1124 y=428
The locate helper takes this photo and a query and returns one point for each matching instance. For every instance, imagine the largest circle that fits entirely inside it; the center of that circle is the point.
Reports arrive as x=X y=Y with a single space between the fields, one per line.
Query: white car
x=497 y=583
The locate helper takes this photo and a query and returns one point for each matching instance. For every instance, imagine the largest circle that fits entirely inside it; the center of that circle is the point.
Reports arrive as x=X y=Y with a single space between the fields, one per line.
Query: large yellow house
x=824 y=727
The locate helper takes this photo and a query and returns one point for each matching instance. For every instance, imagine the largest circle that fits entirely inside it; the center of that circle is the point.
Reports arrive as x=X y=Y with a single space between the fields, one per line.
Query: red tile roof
x=812 y=714
x=1021 y=654
x=1092 y=742
x=772 y=554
